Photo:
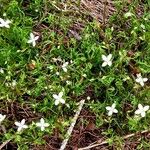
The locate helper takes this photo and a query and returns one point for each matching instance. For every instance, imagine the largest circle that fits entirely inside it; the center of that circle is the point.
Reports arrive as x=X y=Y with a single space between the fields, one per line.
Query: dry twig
x=106 y=141
x=64 y=143
x=4 y=144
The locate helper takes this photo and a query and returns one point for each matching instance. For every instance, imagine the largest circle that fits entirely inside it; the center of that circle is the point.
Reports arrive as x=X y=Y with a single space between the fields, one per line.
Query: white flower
x=64 y=66
x=4 y=14
x=68 y=82
x=4 y=23
x=107 y=60
x=57 y=73
x=21 y=125
x=88 y=98
x=2 y=117
x=1 y=70
x=58 y=98
x=33 y=39
x=142 y=26
x=84 y=75
x=141 y=80
x=14 y=83
x=50 y=67
x=141 y=110
x=42 y=124
x=7 y=84
x=111 y=109
x=57 y=59
x=128 y=14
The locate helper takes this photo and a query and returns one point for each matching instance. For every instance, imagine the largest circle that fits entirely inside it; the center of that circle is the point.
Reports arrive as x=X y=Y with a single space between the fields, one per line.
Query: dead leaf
x=32 y=65
x=91 y=126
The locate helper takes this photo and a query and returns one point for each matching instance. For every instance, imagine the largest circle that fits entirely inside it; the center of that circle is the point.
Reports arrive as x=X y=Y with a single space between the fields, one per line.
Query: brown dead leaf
x=133 y=68
x=130 y=53
x=32 y=65
x=129 y=1
x=91 y=126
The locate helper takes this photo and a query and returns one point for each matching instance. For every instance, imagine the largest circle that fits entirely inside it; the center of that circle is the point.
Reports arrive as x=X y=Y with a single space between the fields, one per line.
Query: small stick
x=106 y=142
x=104 y=12
x=64 y=143
x=5 y=143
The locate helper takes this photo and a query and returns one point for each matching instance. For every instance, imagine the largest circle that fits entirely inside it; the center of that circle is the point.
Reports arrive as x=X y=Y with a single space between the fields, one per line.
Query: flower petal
x=138 y=111
x=38 y=124
x=143 y=114
x=60 y=94
x=36 y=38
x=46 y=124
x=110 y=113
x=19 y=129
x=109 y=57
x=115 y=111
x=139 y=75
x=108 y=108
x=55 y=96
x=104 y=57
x=25 y=126
x=31 y=36
x=42 y=121
x=2 y=117
x=146 y=108
x=1 y=20
x=113 y=105
x=145 y=79
x=65 y=69
x=62 y=101
x=29 y=41
x=33 y=43
x=142 y=83
x=42 y=128
x=56 y=102
x=140 y=106
x=138 y=80
x=109 y=63
x=22 y=121
x=17 y=124
x=104 y=64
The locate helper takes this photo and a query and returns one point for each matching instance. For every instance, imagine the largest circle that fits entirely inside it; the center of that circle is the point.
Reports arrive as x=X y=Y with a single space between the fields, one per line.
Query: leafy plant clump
x=47 y=66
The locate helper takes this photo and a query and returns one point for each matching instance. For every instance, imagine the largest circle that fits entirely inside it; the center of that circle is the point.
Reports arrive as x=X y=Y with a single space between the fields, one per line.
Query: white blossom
x=111 y=109
x=128 y=14
x=21 y=125
x=57 y=59
x=58 y=98
x=14 y=83
x=141 y=110
x=42 y=124
x=84 y=75
x=140 y=79
x=2 y=117
x=64 y=66
x=57 y=73
x=88 y=98
x=107 y=60
x=1 y=70
x=68 y=82
x=4 y=14
x=33 y=39
x=4 y=23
